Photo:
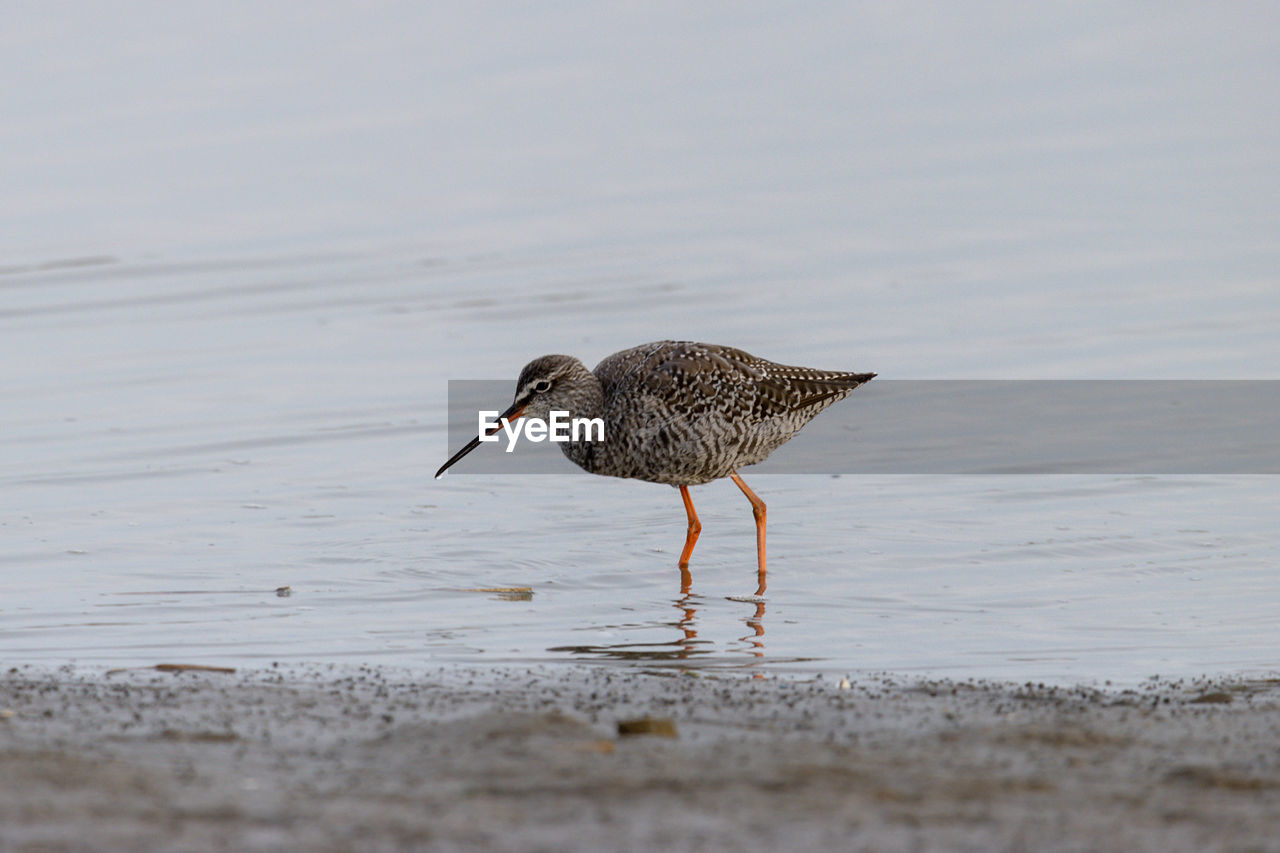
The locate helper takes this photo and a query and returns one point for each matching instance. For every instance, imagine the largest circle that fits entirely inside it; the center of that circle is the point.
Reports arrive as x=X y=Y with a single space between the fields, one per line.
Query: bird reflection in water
x=686 y=647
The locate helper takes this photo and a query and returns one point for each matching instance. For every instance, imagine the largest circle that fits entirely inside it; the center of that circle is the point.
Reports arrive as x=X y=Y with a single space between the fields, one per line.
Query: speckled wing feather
x=712 y=407
x=692 y=379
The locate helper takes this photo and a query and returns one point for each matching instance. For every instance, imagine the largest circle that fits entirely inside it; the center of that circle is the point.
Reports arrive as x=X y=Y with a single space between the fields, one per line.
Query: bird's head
x=549 y=383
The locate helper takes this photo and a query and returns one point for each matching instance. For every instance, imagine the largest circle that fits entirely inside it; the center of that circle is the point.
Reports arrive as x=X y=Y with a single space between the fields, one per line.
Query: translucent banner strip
x=974 y=427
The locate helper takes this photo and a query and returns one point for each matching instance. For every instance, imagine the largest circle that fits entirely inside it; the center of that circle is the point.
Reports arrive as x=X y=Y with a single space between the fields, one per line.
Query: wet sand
x=332 y=758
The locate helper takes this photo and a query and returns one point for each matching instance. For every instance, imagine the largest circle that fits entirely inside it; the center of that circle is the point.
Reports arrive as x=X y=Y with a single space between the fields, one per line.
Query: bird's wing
x=692 y=380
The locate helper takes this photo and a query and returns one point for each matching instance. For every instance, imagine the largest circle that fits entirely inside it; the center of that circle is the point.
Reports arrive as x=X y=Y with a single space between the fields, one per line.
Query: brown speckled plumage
x=682 y=413
x=679 y=412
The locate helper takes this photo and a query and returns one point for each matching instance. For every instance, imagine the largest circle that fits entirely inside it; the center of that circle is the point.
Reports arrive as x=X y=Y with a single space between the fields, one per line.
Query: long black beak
x=513 y=413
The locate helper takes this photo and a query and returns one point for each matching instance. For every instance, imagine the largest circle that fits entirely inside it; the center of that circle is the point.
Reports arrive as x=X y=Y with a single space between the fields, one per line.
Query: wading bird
x=679 y=413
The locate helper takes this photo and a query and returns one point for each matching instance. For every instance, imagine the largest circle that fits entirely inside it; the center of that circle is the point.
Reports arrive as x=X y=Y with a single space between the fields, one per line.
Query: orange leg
x=758 y=510
x=695 y=527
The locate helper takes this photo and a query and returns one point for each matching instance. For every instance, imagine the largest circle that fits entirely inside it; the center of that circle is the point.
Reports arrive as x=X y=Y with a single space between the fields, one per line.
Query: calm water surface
x=236 y=281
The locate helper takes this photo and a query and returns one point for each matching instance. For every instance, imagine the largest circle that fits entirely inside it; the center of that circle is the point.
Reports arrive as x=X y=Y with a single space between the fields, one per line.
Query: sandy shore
x=372 y=759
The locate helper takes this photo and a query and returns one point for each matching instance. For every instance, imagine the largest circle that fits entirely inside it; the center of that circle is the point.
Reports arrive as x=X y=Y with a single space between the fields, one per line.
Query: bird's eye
x=542 y=385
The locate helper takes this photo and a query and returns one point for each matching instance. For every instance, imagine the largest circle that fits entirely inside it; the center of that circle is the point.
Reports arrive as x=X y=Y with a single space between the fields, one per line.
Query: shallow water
x=231 y=301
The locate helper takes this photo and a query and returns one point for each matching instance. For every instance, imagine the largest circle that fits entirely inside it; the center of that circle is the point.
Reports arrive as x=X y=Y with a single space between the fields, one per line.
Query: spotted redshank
x=680 y=413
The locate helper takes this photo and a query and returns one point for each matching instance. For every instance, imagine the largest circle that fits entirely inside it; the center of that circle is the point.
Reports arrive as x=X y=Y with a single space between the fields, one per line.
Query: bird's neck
x=589 y=401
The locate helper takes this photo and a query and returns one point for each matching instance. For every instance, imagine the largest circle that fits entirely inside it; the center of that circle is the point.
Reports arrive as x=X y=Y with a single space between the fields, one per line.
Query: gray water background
x=243 y=249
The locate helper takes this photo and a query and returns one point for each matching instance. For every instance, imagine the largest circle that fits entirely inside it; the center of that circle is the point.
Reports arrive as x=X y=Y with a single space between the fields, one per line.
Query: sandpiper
x=680 y=413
